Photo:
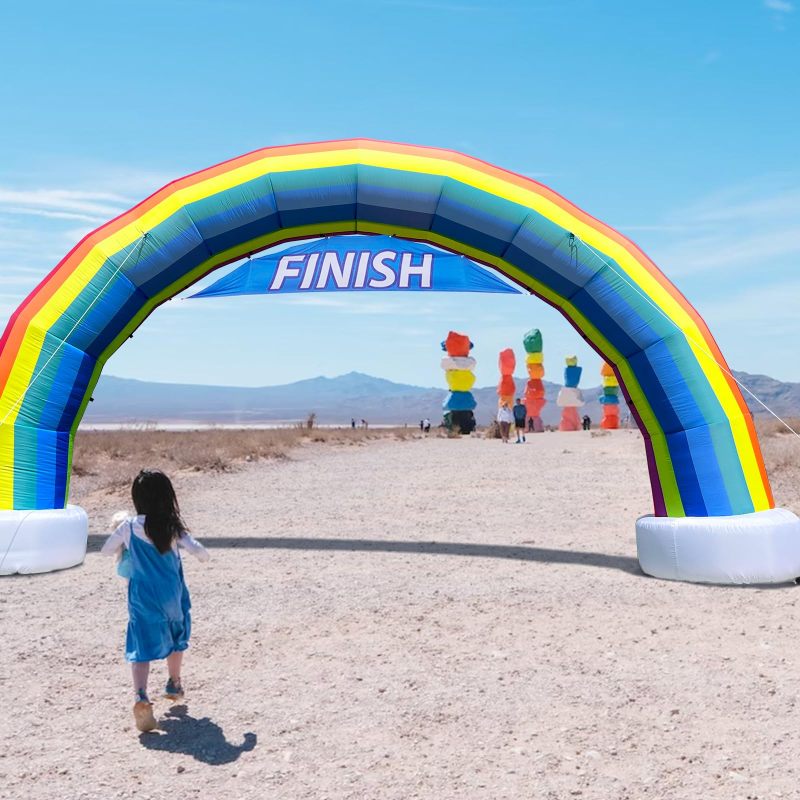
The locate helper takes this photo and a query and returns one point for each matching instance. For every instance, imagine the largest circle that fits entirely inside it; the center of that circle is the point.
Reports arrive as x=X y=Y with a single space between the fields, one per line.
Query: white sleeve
x=187 y=542
x=120 y=538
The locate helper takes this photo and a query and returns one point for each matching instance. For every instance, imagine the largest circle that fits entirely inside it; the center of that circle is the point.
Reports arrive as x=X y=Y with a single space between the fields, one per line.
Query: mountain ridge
x=337 y=400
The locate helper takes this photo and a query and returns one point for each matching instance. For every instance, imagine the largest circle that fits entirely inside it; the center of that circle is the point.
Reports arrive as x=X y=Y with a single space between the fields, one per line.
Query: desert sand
x=411 y=619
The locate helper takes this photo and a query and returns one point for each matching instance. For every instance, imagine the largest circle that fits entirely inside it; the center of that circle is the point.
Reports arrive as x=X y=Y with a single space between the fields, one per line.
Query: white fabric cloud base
x=42 y=541
x=763 y=547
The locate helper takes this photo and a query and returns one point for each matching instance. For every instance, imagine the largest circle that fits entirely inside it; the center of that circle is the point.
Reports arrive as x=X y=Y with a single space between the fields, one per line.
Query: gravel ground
x=424 y=619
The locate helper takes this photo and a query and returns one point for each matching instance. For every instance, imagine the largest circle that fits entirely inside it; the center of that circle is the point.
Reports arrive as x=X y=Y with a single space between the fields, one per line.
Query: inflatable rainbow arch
x=702 y=450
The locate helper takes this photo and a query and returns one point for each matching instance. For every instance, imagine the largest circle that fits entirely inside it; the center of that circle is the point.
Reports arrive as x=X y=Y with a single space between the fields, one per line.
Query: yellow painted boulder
x=459 y=380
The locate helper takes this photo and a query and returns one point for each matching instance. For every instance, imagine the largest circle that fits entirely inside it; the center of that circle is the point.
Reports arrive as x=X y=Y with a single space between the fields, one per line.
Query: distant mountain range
x=337 y=400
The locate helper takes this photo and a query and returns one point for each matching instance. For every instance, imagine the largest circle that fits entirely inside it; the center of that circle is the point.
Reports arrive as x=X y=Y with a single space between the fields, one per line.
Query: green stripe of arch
x=664 y=466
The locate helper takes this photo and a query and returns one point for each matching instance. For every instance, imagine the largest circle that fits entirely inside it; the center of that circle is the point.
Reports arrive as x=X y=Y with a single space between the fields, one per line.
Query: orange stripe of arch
x=51 y=283
x=39 y=297
x=653 y=269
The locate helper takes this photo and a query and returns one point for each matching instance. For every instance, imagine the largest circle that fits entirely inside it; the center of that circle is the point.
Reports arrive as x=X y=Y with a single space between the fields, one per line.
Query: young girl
x=159 y=621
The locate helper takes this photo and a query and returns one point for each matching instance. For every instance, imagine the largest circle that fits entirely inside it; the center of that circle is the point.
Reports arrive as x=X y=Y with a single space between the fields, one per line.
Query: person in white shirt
x=504 y=417
x=159 y=619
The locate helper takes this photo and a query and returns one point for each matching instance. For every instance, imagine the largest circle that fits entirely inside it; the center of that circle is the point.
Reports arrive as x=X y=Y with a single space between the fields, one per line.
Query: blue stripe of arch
x=494 y=235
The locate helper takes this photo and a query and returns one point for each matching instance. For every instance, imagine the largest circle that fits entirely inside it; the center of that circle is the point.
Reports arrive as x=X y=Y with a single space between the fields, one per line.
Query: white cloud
x=753 y=226
x=359 y=304
x=771 y=309
x=62 y=203
x=40 y=221
x=19 y=277
x=780 y=11
x=757 y=327
x=727 y=251
x=746 y=202
x=735 y=252
x=781 y=6
x=40 y=212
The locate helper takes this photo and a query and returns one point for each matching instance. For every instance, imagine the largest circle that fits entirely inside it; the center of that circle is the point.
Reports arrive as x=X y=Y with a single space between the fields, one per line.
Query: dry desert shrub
x=493 y=431
x=109 y=459
x=767 y=426
x=781 y=453
x=781 y=450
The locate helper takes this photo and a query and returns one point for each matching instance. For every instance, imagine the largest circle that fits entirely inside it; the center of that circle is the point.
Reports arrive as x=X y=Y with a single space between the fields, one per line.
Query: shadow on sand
x=202 y=739
x=544 y=555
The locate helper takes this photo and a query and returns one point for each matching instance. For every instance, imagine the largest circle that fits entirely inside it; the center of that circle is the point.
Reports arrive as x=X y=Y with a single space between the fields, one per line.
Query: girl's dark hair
x=154 y=497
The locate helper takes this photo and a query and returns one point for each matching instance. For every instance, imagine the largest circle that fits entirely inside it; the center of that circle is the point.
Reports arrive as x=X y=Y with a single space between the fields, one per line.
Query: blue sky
x=675 y=122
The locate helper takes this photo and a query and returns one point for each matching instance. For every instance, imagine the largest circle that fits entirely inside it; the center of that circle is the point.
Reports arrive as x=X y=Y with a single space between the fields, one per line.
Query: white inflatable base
x=763 y=547
x=41 y=541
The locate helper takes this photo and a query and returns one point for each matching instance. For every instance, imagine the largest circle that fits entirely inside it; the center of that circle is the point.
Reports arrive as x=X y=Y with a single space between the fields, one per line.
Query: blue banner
x=350 y=263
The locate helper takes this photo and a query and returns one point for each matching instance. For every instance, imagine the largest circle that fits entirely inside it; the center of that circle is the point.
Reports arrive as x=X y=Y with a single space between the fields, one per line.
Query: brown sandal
x=143 y=714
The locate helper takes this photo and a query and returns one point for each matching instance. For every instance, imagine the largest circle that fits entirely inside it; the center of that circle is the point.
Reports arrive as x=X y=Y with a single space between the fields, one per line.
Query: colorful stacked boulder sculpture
x=459 y=370
x=534 y=391
x=507 y=388
x=609 y=400
x=570 y=397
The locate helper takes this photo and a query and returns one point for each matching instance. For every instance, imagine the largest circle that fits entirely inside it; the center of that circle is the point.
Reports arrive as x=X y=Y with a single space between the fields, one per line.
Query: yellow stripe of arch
x=641 y=277
x=123 y=238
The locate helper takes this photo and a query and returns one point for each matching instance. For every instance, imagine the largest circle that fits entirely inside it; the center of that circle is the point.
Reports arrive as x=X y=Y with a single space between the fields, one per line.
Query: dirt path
x=427 y=619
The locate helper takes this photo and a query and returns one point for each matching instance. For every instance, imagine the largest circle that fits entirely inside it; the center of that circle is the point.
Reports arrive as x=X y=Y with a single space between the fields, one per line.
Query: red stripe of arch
x=12 y=338
x=13 y=335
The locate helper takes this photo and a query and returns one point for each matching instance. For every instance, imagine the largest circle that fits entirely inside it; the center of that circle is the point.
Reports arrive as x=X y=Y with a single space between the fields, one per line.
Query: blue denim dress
x=159 y=622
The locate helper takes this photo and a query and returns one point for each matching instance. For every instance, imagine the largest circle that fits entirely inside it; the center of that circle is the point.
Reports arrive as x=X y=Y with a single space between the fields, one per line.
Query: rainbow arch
x=703 y=453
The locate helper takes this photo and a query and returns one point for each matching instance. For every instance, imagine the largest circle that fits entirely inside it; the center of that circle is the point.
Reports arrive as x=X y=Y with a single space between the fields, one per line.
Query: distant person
x=364 y=424
x=159 y=622
x=531 y=427
x=422 y=425
x=427 y=425
x=587 y=422
x=352 y=423
x=504 y=418
x=520 y=414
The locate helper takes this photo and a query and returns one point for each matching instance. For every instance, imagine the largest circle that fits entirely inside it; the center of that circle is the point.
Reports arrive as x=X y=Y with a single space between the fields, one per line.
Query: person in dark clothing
x=520 y=415
x=587 y=422
x=531 y=428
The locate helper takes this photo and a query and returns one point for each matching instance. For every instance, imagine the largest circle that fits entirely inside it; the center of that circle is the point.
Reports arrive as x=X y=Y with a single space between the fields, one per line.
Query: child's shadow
x=202 y=739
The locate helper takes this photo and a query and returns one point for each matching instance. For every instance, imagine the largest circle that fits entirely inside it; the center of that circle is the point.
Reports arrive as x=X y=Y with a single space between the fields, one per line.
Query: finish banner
x=348 y=263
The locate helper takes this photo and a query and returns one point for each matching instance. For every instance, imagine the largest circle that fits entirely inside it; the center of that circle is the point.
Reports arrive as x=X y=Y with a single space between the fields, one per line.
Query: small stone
x=181 y=769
